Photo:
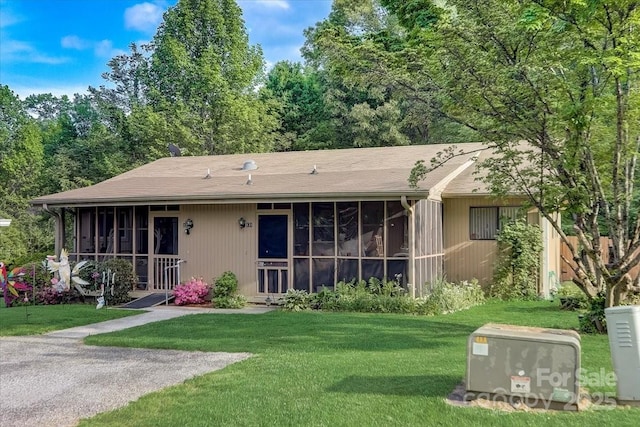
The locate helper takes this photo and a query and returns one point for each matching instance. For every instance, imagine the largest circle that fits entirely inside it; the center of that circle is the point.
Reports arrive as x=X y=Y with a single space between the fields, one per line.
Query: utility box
x=536 y=366
x=623 y=326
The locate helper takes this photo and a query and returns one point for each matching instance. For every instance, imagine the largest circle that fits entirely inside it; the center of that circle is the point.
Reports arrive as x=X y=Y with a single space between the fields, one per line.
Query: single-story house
x=294 y=220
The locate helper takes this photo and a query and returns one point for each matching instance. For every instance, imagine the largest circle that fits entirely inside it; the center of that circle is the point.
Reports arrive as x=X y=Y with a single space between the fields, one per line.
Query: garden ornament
x=8 y=283
x=65 y=274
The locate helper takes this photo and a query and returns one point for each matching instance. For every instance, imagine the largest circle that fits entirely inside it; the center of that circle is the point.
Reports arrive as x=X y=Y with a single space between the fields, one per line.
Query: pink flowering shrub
x=192 y=292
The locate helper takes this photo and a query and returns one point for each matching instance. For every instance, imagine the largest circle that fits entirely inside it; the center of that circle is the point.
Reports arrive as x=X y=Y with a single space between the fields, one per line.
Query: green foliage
x=296 y=300
x=377 y=296
x=517 y=269
x=571 y=297
x=299 y=102
x=224 y=292
x=28 y=237
x=563 y=77
x=448 y=297
x=234 y=301
x=204 y=81
x=326 y=299
x=126 y=279
x=225 y=285
x=594 y=321
x=376 y=91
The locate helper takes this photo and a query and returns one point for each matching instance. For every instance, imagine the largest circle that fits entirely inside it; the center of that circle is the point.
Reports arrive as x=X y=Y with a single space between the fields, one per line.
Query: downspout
x=59 y=236
x=412 y=265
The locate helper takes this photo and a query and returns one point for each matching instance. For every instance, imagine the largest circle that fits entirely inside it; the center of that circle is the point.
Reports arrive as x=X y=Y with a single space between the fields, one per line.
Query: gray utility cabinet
x=535 y=366
x=623 y=326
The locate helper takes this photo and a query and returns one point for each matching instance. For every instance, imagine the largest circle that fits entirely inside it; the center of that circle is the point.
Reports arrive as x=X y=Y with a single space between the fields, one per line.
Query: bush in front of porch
x=377 y=296
x=225 y=292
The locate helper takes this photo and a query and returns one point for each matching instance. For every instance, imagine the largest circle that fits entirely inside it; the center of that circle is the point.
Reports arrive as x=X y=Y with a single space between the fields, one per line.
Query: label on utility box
x=480 y=346
x=520 y=384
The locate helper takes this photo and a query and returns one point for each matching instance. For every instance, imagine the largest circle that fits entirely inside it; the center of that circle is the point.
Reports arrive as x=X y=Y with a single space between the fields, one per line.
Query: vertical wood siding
x=467 y=259
x=218 y=244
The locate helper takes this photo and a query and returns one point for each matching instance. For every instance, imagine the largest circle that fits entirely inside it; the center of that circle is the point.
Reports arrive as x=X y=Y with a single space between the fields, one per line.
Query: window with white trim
x=484 y=222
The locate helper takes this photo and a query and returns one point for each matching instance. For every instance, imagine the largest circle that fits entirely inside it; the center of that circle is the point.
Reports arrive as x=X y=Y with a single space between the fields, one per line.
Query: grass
x=40 y=319
x=340 y=369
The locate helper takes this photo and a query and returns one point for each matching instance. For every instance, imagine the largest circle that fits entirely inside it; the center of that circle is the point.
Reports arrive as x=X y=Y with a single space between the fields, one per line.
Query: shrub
x=594 y=320
x=194 y=291
x=572 y=298
x=326 y=299
x=234 y=301
x=224 y=292
x=516 y=272
x=37 y=274
x=448 y=297
x=296 y=300
x=126 y=279
x=50 y=296
x=226 y=285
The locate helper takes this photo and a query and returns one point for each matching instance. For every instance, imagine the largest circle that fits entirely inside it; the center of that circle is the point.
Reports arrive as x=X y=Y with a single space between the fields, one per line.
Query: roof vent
x=249 y=165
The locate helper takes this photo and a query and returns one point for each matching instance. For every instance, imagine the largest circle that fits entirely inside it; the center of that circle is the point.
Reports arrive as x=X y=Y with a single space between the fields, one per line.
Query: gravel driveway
x=55 y=380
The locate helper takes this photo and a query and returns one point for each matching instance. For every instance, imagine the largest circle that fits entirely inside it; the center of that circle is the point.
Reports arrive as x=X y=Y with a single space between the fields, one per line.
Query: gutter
x=229 y=198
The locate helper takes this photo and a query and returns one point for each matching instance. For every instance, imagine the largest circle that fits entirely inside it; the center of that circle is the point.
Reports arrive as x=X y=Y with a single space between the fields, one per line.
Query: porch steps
x=150 y=300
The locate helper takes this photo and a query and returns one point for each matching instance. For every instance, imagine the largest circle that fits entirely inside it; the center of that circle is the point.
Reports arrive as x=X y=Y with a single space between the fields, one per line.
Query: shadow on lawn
x=417 y=385
x=299 y=332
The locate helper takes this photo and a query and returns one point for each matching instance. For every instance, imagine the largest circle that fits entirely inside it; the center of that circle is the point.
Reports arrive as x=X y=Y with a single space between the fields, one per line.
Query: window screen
x=485 y=222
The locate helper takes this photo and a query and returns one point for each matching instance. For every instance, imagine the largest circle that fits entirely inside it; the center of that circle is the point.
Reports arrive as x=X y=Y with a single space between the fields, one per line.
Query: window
x=484 y=222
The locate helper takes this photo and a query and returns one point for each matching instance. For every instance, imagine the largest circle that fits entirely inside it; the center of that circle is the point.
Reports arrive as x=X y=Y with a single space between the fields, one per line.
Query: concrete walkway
x=153 y=314
x=55 y=380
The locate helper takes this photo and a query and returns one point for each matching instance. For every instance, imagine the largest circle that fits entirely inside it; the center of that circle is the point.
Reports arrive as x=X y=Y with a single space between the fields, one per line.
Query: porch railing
x=165 y=275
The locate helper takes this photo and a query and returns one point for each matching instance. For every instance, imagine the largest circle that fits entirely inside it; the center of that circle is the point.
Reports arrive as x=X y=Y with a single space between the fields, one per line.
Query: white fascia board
x=435 y=193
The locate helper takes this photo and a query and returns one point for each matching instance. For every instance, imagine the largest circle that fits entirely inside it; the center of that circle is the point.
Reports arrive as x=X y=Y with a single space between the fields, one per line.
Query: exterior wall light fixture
x=188 y=225
x=242 y=222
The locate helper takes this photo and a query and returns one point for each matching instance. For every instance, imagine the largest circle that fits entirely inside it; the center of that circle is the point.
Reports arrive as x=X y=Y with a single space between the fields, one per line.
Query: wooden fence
x=567 y=271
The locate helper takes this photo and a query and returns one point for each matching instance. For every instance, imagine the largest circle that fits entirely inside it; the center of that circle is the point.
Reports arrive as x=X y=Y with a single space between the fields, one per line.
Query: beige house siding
x=467 y=259
x=217 y=244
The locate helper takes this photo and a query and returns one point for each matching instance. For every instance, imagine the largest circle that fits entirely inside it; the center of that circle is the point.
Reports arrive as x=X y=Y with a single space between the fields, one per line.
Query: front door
x=164 y=241
x=273 y=253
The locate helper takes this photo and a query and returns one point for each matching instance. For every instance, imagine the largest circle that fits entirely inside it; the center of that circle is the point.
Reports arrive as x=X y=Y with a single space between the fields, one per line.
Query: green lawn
x=337 y=369
x=39 y=319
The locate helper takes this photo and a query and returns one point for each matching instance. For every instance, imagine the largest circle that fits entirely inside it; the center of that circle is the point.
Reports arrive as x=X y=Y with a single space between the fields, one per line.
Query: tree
x=203 y=75
x=562 y=76
x=21 y=157
x=21 y=165
x=375 y=91
x=297 y=92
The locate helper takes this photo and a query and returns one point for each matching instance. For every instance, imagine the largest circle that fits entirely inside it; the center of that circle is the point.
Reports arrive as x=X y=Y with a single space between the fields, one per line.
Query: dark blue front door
x=273 y=254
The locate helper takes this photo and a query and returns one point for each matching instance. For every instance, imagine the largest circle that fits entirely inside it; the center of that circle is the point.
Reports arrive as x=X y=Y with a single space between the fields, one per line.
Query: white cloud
x=279 y=4
x=105 y=49
x=74 y=42
x=18 y=51
x=6 y=17
x=143 y=16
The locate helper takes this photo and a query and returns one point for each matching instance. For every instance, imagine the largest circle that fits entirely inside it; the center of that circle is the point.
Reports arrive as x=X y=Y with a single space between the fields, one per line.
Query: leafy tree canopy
x=562 y=76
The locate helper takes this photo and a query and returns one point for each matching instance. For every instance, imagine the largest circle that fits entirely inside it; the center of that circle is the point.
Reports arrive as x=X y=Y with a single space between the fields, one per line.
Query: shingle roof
x=347 y=173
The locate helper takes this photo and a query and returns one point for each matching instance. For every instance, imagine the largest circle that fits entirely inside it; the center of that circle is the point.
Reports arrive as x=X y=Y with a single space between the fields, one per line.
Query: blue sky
x=63 y=46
